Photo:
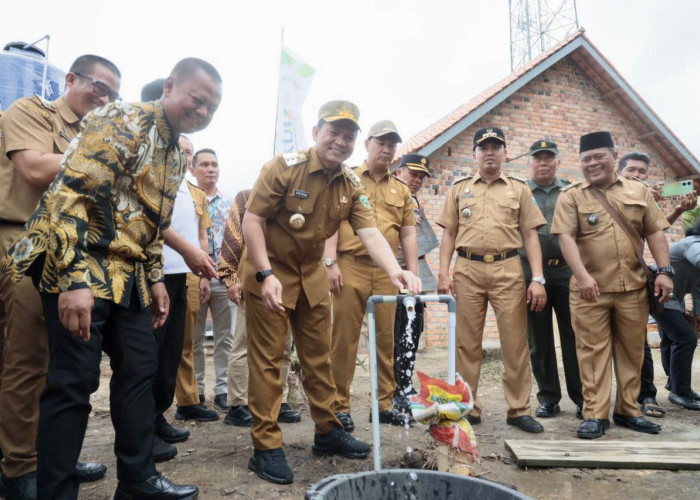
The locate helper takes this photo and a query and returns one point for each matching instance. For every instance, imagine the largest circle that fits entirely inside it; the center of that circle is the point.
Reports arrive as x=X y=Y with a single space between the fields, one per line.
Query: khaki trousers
x=359 y=283
x=223 y=312
x=611 y=329
x=267 y=334
x=238 y=363
x=24 y=367
x=186 y=389
x=502 y=284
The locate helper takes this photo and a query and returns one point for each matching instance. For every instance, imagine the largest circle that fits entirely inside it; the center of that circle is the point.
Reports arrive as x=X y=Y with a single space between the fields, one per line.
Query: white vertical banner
x=295 y=80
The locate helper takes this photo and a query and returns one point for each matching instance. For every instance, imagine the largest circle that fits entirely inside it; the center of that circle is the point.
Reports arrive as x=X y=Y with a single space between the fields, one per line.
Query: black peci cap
x=596 y=140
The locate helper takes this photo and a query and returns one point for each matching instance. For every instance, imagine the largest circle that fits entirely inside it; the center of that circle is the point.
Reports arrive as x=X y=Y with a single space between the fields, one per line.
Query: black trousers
x=126 y=335
x=170 y=338
x=540 y=330
x=405 y=346
x=647 y=389
x=678 y=341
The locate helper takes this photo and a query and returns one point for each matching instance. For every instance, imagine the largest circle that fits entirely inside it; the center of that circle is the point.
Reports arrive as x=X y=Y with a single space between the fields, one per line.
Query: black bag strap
x=636 y=241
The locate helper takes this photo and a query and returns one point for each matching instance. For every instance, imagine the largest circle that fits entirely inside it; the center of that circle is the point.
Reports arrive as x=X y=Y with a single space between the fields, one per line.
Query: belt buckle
x=553 y=262
x=489 y=259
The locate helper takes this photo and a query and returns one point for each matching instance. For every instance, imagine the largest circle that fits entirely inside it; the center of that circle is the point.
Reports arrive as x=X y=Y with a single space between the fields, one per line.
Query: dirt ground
x=215 y=457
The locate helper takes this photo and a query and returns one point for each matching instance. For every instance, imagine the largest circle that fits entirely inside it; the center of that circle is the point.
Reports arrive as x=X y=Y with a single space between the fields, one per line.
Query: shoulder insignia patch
x=396 y=177
x=42 y=107
x=47 y=104
x=574 y=183
x=518 y=178
x=292 y=159
x=351 y=176
x=462 y=179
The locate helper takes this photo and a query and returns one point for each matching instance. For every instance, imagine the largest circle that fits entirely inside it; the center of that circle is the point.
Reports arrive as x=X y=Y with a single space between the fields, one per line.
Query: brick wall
x=560 y=105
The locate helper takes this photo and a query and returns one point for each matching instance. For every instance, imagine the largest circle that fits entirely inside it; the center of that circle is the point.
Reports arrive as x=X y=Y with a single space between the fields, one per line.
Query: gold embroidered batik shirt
x=100 y=223
x=232 y=245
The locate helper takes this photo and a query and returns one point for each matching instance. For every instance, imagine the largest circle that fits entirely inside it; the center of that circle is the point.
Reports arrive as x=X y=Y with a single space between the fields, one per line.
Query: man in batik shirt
x=94 y=245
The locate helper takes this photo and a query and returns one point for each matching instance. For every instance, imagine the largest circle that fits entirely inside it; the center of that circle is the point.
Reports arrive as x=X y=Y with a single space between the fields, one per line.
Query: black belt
x=5 y=222
x=487 y=258
x=554 y=262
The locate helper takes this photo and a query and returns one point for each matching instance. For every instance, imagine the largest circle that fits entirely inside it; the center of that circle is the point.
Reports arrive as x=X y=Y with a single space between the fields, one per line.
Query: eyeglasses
x=100 y=88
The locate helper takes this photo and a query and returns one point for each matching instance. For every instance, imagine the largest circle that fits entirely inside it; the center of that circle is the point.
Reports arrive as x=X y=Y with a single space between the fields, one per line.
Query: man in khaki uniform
x=35 y=133
x=608 y=295
x=354 y=276
x=232 y=247
x=298 y=202
x=487 y=217
x=198 y=289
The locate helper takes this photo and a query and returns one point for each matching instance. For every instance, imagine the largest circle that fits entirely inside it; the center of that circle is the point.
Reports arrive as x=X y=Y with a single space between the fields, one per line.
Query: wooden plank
x=606 y=454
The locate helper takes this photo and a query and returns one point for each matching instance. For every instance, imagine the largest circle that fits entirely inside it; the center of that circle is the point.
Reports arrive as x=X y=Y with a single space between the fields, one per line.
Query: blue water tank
x=22 y=74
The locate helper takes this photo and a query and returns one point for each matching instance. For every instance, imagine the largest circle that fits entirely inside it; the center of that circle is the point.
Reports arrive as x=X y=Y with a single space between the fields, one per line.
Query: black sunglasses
x=100 y=88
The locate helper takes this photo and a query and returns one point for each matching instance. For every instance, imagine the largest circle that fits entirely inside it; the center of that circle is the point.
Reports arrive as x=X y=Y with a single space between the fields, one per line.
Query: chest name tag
x=304 y=195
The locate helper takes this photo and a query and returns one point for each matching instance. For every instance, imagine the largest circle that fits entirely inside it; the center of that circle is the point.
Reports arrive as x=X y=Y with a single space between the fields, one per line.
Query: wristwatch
x=539 y=279
x=328 y=262
x=261 y=275
x=668 y=270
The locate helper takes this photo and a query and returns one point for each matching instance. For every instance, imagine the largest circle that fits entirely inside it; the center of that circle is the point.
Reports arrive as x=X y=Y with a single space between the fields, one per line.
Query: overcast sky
x=410 y=61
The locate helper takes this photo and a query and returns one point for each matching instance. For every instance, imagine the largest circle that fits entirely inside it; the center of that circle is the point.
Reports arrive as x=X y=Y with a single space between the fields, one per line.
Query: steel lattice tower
x=536 y=25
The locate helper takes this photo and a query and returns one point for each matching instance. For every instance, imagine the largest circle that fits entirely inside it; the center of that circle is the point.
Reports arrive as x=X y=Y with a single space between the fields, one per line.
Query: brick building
x=568 y=91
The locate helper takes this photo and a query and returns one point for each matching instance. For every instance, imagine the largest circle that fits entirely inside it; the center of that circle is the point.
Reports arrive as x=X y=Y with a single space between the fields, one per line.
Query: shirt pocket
x=299 y=205
x=509 y=210
x=590 y=218
x=467 y=210
x=339 y=207
x=394 y=207
x=61 y=141
x=633 y=211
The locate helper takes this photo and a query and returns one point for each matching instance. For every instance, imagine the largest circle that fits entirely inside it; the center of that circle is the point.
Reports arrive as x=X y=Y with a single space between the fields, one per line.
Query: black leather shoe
x=168 y=433
x=639 y=424
x=196 y=412
x=288 y=415
x=346 y=420
x=271 y=465
x=239 y=416
x=155 y=487
x=19 y=488
x=579 y=411
x=593 y=428
x=686 y=402
x=87 y=472
x=525 y=423
x=547 y=410
x=162 y=451
x=220 y=402
x=694 y=395
x=474 y=419
x=339 y=442
x=394 y=417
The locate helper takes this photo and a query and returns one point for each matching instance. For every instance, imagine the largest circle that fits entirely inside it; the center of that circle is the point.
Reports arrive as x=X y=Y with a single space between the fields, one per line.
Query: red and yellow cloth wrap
x=444 y=408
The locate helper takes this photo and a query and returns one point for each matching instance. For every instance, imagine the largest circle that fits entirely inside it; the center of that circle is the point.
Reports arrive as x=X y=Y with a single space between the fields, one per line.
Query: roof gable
x=612 y=86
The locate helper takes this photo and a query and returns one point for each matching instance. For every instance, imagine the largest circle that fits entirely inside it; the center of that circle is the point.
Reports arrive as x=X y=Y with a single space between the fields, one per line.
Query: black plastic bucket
x=409 y=484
